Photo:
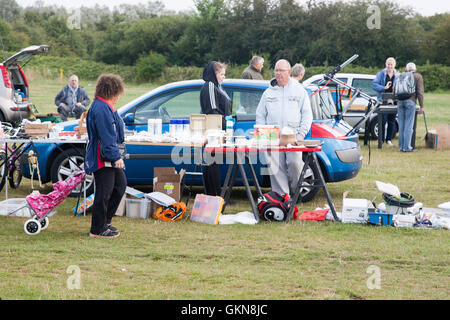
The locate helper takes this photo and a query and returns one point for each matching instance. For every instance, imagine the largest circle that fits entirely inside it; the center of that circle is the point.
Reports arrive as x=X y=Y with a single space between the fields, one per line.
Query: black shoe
x=105 y=234
x=112 y=228
x=410 y=150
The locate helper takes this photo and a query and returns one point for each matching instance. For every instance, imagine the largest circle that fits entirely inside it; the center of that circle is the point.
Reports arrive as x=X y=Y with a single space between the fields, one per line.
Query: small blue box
x=380 y=218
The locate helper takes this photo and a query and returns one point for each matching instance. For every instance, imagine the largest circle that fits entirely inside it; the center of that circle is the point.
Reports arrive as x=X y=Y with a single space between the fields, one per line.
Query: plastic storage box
x=137 y=208
x=380 y=218
x=9 y=205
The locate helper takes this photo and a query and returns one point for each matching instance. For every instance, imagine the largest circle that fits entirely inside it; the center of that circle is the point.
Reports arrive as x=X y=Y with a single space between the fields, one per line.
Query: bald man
x=72 y=100
x=285 y=103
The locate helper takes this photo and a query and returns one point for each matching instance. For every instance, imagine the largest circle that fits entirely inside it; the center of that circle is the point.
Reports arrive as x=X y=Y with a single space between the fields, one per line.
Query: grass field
x=297 y=260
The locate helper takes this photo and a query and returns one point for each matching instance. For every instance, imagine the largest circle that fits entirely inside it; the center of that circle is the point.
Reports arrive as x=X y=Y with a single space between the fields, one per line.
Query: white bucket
x=138 y=208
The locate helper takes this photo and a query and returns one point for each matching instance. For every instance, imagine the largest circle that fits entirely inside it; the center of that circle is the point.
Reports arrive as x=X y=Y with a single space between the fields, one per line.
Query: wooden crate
x=37 y=129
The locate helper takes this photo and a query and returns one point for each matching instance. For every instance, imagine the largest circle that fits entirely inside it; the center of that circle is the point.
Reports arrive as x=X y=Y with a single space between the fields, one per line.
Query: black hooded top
x=213 y=99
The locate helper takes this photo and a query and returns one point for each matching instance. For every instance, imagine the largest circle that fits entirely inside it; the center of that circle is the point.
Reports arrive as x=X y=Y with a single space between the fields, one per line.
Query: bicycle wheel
x=3 y=169
x=15 y=175
x=14 y=168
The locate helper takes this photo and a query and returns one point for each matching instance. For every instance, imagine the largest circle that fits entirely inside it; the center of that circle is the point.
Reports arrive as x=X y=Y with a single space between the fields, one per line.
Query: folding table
x=241 y=158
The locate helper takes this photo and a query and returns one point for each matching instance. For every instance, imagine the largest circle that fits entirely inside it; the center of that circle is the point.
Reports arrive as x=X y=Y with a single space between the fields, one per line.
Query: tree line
x=318 y=33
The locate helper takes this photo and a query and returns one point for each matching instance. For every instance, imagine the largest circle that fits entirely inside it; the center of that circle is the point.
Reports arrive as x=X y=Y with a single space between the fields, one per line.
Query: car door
x=174 y=103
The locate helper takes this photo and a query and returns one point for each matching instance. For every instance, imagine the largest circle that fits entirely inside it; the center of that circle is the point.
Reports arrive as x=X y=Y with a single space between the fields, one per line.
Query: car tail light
x=6 y=79
x=323 y=130
x=23 y=75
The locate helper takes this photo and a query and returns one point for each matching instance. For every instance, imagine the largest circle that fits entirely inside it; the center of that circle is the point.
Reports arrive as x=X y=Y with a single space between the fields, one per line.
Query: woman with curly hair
x=103 y=157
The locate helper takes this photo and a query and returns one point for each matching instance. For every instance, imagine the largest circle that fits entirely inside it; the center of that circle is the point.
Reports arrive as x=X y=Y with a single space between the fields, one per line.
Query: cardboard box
x=287 y=139
x=266 y=134
x=438 y=138
x=200 y=123
x=355 y=210
x=37 y=129
x=166 y=180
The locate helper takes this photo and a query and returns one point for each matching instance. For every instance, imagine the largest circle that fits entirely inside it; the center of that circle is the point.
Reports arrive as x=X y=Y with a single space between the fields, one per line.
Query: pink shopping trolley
x=42 y=204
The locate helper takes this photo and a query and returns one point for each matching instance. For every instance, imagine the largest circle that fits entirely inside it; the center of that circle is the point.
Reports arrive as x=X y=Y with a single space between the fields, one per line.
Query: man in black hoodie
x=214 y=100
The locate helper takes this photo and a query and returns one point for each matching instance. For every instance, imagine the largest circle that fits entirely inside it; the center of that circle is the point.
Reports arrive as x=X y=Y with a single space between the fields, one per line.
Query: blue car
x=340 y=158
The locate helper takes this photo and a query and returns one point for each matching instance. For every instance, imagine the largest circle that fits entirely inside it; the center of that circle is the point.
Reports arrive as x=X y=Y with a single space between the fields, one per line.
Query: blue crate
x=380 y=218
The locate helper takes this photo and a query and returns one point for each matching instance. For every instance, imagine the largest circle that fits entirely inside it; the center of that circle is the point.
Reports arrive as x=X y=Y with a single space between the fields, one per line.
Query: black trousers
x=389 y=121
x=110 y=185
x=211 y=179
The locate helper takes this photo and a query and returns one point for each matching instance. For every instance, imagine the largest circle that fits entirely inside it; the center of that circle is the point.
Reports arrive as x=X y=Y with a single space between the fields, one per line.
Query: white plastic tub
x=137 y=208
x=8 y=206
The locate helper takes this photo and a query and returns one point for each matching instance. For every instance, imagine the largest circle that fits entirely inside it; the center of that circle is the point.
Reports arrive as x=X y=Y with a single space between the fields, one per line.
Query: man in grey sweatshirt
x=285 y=103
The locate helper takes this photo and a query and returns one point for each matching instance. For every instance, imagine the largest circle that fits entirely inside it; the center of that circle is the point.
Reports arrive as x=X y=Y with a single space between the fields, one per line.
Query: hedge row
x=436 y=77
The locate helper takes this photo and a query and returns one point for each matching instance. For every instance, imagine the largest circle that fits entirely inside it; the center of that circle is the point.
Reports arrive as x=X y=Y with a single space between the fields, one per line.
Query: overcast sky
x=424 y=7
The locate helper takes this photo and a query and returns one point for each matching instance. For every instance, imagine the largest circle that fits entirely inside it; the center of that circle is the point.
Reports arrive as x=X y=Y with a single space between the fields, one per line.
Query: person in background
x=214 y=100
x=103 y=156
x=384 y=82
x=253 y=71
x=406 y=110
x=285 y=103
x=72 y=99
x=298 y=72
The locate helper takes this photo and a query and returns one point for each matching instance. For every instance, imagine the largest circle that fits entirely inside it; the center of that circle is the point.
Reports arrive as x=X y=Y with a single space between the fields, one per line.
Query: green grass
x=297 y=260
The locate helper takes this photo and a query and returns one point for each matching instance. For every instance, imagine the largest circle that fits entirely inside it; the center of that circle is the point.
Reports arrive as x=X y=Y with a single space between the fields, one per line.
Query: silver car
x=14 y=88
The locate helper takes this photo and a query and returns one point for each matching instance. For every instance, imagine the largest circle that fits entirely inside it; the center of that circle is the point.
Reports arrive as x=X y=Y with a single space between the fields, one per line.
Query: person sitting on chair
x=72 y=100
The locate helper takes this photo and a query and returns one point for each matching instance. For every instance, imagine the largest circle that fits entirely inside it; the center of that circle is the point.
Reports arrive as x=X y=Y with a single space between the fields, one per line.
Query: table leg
x=311 y=160
x=228 y=185
x=325 y=189
x=253 y=174
x=298 y=188
x=413 y=138
x=248 y=191
x=380 y=130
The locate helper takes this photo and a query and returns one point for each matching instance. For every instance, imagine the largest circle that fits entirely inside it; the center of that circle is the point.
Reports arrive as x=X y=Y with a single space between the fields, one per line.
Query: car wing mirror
x=128 y=119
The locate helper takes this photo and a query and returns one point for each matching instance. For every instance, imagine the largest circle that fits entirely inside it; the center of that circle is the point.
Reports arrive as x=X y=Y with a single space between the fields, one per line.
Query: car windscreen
x=365 y=85
x=244 y=102
x=322 y=105
x=176 y=104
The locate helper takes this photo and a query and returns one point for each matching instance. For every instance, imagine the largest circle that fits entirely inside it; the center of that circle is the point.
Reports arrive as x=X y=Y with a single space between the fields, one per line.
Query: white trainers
x=389 y=143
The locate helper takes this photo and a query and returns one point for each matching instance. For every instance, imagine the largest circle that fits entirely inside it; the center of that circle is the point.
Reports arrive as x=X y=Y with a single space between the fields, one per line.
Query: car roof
x=341 y=75
x=260 y=84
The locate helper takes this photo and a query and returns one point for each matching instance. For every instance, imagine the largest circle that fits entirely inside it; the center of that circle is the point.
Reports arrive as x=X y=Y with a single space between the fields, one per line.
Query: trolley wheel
x=32 y=227
x=44 y=223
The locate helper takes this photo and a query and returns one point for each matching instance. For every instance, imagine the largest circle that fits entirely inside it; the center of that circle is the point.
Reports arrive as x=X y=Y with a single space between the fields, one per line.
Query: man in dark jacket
x=214 y=100
x=72 y=99
x=253 y=71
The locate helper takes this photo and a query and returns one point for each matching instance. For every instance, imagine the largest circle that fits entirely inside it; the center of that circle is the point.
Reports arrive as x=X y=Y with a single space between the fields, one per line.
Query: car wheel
x=312 y=179
x=374 y=129
x=68 y=164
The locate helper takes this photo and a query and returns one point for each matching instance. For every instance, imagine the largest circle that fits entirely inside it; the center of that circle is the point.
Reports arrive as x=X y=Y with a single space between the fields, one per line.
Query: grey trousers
x=284 y=169
x=65 y=111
